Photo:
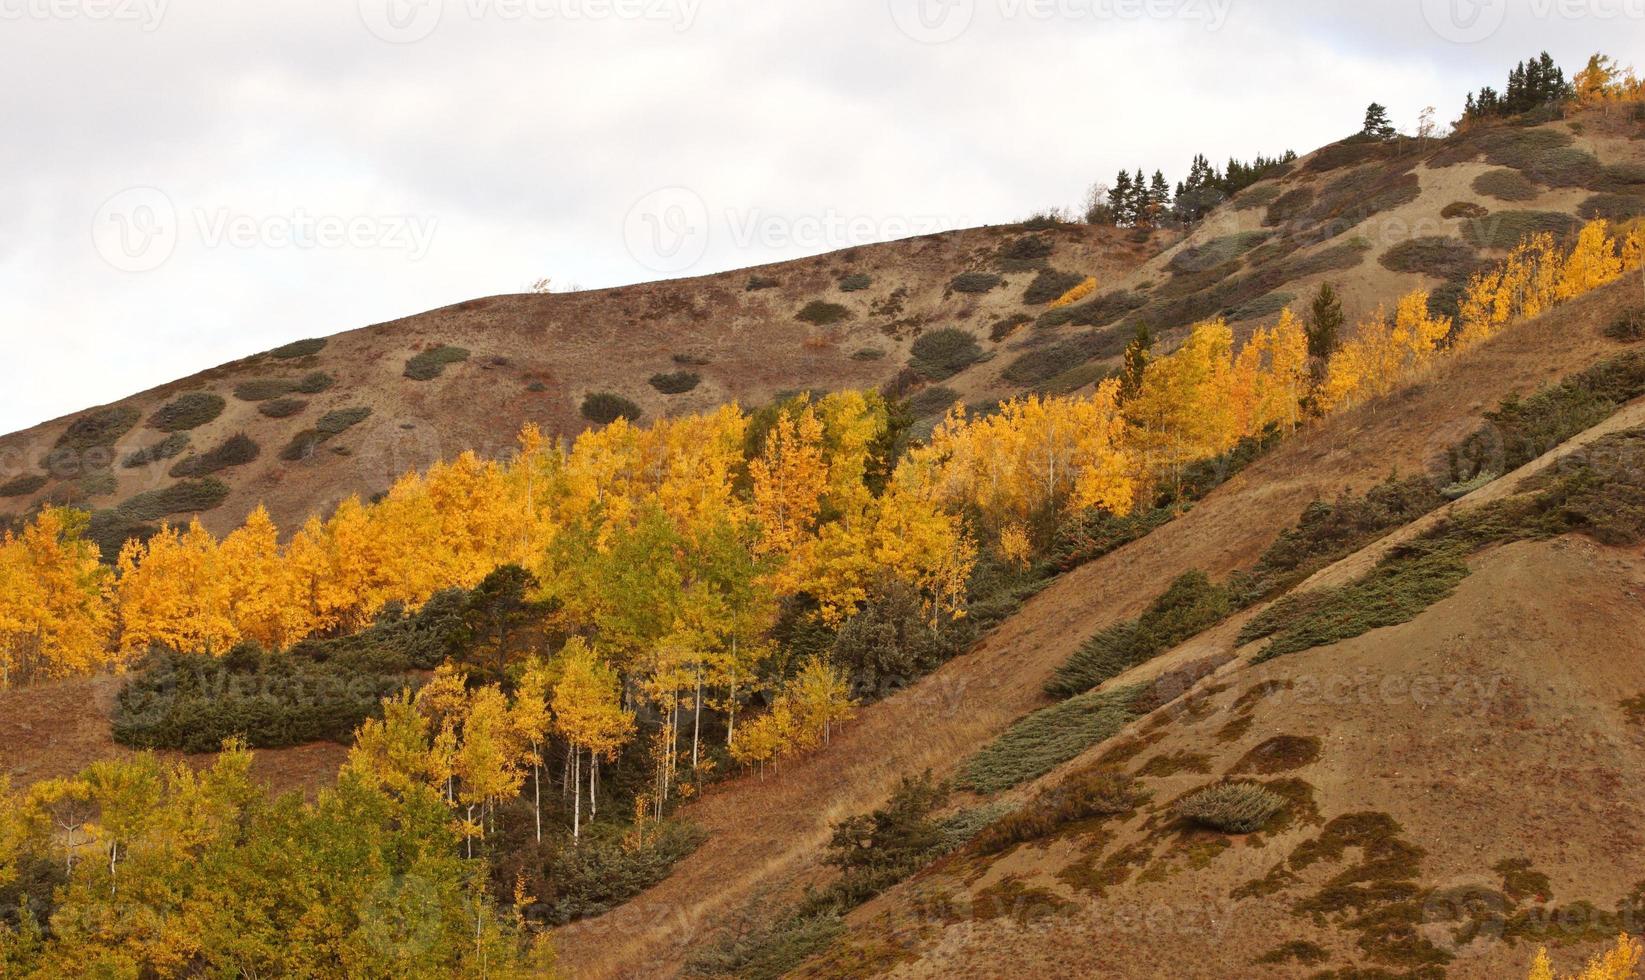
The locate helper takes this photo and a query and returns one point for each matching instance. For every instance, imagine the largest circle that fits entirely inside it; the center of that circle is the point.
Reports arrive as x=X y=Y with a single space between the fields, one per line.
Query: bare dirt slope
x=769 y=834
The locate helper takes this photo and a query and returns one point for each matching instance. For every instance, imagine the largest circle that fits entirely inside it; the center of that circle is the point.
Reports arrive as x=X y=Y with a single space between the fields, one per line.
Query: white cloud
x=523 y=134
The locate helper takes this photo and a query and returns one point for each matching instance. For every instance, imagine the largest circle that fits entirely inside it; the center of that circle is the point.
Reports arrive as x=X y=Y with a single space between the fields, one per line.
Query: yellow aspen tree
x=821 y=698
x=589 y=715
x=55 y=610
x=1183 y=411
x=393 y=751
x=487 y=759
x=263 y=597
x=1593 y=262
x=172 y=593
x=533 y=719
x=1620 y=962
x=789 y=479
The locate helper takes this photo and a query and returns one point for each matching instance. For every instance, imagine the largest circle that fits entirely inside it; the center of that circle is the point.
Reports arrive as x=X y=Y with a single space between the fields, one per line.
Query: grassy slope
x=768 y=834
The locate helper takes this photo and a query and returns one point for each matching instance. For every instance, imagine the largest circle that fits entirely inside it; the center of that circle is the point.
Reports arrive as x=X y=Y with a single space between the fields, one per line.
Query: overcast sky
x=183 y=182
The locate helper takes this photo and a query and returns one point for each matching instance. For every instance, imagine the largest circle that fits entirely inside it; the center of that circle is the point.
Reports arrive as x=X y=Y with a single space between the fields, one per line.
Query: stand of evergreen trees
x=1136 y=201
x=1532 y=85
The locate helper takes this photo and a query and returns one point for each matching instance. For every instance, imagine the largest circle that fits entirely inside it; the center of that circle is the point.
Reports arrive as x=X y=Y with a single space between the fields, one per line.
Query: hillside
x=302 y=427
x=766 y=839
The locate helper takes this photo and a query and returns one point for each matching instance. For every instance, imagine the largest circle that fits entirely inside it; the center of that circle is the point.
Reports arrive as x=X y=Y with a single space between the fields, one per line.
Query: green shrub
x=757 y=283
x=187 y=497
x=1081 y=796
x=269 y=388
x=303 y=445
x=1521 y=429
x=188 y=411
x=1192 y=604
x=975 y=282
x=340 y=421
x=430 y=364
x=1217 y=252
x=855 y=282
x=941 y=354
x=263 y=390
x=603 y=408
x=237 y=450
x=22 y=486
x=1506 y=185
x=1006 y=326
x=1460 y=489
x=1506 y=229
x=1050 y=285
x=1282 y=753
x=931 y=402
x=1048 y=738
x=1612 y=207
x=282 y=408
x=1629 y=326
x=1025 y=254
x=1264 y=306
x=677 y=382
x=1290 y=206
x=299 y=348
x=1329 y=532
x=320 y=690
x=889 y=643
x=766 y=949
x=604 y=870
x=869 y=354
x=168 y=448
x=821 y=314
x=1625 y=174
x=1437 y=255
x=1233 y=808
x=1463 y=209
x=1041 y=365
x=1257 y=197
x=314 y=383
x=98 y=429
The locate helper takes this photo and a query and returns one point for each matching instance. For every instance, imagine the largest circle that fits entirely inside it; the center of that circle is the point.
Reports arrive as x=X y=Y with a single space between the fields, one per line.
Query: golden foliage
x=1079 y=292
x=1621 y=962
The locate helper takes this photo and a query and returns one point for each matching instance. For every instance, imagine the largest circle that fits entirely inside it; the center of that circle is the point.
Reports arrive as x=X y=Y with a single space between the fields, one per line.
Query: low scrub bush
x=676 y=382
x=1082 y=796
x=975 y=282
x=869 y=354
x=1505 y=229
x=23 y=486
x=1263 y=306
x=1050 y=285
x=604 y=407
x=1290 y=206
x=1506 y=185
x=299 y=348
x=1629 y=326
x=1048 y=738
x=340 y=421
x=282 y=408
x=1463 y=209
x=757 y=283
x=1257 y=197
x=765 y=948
x=876 y=850
x=1025 y=253
x=188 y=411
x=856 y=282
x=941 y=354
x=1233 y=808
x=932 y=402
x=1612 y=207
x=237 y=450
x=1521 y=429
x=1436 y=255
x=1217 y=252
x=889 y=643
x=430 y=364
x=1004 y=327
x=1192 y=604
x=606 y=869
x=98 y=429
x=821 y=314
x=1039 y=366
x=186 y=497
x=270 y=388
x=320 y=690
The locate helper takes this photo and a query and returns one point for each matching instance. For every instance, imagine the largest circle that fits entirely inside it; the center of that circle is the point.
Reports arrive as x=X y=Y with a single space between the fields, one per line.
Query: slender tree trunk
x=577 y=805
x=697 y=719
x=537 y=791
x=593 y=785
x=468 y=834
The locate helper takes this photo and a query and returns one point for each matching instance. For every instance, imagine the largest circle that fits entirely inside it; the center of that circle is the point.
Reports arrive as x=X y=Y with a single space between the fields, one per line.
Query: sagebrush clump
x=1233 y=808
